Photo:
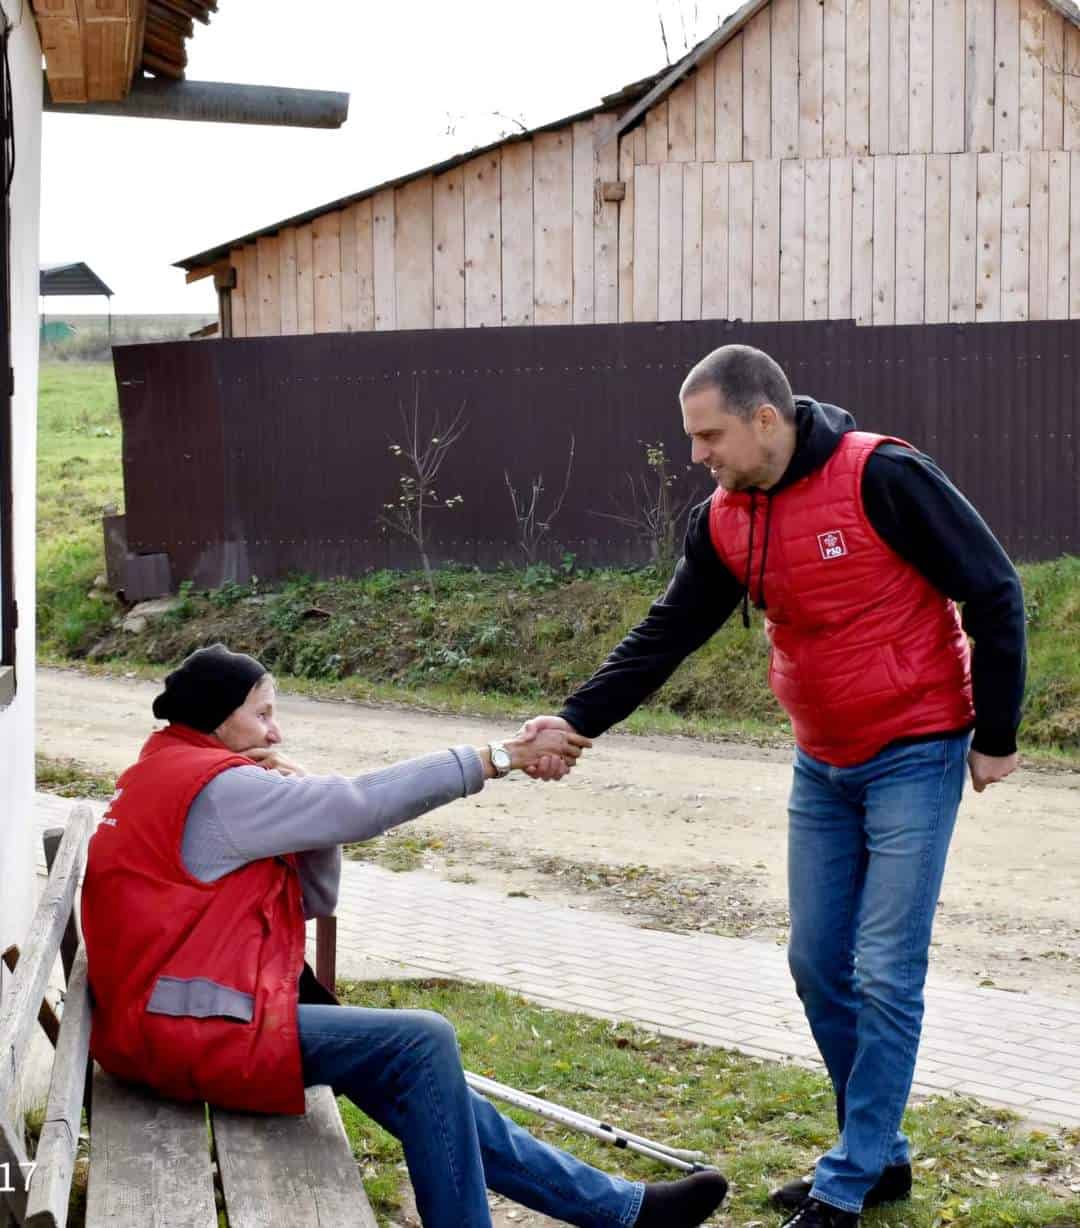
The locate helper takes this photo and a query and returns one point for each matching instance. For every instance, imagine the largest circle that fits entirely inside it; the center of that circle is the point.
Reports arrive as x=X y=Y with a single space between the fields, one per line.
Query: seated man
x=197 y=886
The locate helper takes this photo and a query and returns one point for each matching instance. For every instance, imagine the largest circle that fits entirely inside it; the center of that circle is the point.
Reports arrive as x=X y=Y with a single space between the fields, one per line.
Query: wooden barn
x=887 y=161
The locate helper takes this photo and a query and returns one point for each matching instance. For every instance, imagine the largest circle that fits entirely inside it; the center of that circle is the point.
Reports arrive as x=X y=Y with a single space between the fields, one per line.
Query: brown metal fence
x=271 y=456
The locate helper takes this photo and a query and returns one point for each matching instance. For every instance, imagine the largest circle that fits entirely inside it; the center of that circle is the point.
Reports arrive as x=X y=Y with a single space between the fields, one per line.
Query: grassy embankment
x=505 y=643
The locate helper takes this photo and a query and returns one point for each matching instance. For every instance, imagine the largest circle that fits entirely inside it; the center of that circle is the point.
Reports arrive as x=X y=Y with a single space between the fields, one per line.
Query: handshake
x=545 y=748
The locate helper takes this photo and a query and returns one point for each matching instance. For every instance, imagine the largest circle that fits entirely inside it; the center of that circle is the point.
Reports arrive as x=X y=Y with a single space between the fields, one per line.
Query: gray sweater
x=247 y=813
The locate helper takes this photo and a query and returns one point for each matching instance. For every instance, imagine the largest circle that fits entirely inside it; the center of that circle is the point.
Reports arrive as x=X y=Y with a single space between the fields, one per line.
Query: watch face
x=500 y=757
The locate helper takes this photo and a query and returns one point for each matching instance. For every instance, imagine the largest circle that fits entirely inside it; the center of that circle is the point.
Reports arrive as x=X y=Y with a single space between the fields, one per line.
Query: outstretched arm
x=698 y=600
x=248 y=813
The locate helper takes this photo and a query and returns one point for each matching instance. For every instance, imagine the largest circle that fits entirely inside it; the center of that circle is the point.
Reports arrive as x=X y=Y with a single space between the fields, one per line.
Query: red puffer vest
x=194 y=984
x=864 y=649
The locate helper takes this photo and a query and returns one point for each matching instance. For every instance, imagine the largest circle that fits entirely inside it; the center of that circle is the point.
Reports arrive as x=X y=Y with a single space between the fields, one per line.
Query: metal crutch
x=677 y=1157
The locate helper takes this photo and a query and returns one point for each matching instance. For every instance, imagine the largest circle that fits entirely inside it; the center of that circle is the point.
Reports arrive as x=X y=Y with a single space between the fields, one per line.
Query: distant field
x=91 y=342
x=79 y=473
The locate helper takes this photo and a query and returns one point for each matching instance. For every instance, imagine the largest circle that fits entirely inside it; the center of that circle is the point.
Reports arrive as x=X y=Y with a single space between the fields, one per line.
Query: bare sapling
x=422 y=451
x=533 y=527
x=653 y=508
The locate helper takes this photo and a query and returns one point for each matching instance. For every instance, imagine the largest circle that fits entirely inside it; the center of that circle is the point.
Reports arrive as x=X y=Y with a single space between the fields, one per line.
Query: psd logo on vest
x=832 y=544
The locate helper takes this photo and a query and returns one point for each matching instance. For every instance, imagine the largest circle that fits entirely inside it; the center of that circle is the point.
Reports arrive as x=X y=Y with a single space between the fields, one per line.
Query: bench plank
x=149 y=1161
x=13 y=1154
x=69 y=944
x=50 y=1025
x=290 y=1172
x=50 y=1186
x=19 y=1007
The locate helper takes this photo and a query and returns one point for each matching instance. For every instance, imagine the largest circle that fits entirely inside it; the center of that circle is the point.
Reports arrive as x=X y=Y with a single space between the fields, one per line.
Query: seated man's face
x=253 y=723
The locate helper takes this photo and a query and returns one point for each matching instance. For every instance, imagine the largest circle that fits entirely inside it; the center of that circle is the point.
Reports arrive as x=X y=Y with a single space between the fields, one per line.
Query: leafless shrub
x=653 y=507
x=533 y=527
x=422 y=451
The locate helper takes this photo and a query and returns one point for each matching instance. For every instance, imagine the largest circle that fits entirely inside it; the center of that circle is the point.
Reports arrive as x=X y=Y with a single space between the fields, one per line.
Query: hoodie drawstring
x=764 y=553
x=749 y=566
x=760 y=601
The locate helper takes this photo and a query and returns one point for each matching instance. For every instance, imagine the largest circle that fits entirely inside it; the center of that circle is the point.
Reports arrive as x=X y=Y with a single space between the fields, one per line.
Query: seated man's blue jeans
x=403 y=1069
x=866 y=856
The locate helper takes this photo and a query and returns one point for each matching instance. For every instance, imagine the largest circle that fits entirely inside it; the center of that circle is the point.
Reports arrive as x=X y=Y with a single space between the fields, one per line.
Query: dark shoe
x=893 y=1184
x=814 y=1214
x=681 y=1204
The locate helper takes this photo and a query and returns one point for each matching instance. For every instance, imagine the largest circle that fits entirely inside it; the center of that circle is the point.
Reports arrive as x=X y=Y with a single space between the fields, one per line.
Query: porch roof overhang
x=94 y=49
x=129 y=58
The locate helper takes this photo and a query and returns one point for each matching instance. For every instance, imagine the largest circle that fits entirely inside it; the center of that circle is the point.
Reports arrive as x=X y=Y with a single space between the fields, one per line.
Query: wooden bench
x=152 y=1162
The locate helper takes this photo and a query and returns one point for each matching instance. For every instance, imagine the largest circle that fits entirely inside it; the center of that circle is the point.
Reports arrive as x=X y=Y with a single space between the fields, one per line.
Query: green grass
x=398 y=851
x=1052 y=709
x=78 y=473
x=760 y=1122
x=510 y=642
x=70 y=778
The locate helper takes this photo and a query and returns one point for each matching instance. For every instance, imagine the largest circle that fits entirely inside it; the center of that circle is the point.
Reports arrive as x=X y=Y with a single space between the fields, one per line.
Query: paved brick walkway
x=1020 y=1050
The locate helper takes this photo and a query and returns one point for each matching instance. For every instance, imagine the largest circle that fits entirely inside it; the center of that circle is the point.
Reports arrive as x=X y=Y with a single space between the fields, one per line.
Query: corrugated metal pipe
x=218 y=102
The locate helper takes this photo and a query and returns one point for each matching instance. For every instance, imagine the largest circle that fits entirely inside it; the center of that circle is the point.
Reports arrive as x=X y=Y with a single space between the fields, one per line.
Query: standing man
x=858 y=550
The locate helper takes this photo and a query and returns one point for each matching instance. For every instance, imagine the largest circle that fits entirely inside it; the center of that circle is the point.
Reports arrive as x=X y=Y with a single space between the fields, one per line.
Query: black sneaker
x=814 y=1214
x=893 y=1185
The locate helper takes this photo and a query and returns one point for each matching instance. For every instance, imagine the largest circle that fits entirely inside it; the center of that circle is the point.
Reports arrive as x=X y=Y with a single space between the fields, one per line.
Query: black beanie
x=212 y=683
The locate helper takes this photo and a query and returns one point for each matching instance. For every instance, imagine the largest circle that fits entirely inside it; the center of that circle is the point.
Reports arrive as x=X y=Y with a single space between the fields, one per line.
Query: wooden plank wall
x=813 y=78
x=895 y=239
x=894 y=161
x=516 y=236
x=890 y=161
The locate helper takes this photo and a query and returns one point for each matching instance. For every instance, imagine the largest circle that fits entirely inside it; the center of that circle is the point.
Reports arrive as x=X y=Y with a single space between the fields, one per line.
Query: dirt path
x=666 y=831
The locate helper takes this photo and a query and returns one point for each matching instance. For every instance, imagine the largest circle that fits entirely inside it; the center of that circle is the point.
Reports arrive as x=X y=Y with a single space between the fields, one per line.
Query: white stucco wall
x=17 y=833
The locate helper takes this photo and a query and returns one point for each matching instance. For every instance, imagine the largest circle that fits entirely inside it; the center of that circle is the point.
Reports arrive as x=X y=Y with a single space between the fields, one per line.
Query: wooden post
x=326 y=952
x=225 y=283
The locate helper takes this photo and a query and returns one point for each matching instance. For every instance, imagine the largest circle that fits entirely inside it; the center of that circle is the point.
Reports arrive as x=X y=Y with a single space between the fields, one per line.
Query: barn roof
x=638 y=98
x=708 y=46
x=611 y=102
x=77 y=278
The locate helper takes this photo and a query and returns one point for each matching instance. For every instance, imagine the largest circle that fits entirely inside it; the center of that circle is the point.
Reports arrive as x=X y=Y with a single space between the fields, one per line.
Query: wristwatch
x=500 y=759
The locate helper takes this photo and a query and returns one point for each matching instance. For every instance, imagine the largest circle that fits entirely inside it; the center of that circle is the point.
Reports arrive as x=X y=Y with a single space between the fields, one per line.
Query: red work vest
x=194 y=984
x=864 y=649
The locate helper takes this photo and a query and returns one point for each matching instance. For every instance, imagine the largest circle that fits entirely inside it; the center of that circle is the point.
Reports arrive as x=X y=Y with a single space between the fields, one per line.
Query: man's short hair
x=745 y=378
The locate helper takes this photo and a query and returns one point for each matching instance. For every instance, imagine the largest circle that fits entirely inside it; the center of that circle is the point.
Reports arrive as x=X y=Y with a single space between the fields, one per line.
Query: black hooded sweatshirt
x=915 y=510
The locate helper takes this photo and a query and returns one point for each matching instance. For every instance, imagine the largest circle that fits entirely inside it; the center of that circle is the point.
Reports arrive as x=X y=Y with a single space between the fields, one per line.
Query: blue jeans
x=403 y=1069
x=866 y=856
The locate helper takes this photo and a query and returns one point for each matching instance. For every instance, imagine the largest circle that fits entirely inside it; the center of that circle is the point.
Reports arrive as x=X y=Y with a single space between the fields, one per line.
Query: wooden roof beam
x=217 y=102
x=166 y=20
x=174 y=53
x=223 y=273
x=162 y=67
x=186 y=8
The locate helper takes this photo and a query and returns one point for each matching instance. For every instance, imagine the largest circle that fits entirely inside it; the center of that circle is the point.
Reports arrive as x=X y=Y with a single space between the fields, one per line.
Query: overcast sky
x=131 y=196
